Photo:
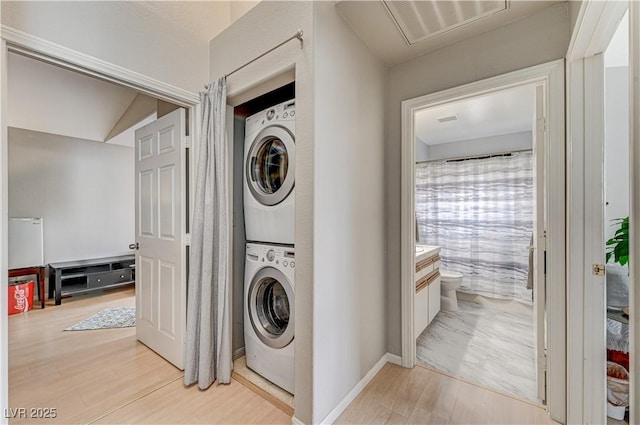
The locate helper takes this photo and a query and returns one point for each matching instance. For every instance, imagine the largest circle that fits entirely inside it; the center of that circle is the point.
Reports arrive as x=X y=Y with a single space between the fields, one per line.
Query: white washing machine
x=269 y=312
x=269 y=175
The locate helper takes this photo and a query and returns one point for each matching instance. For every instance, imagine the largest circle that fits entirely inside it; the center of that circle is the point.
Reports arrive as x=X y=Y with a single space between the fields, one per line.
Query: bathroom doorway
x=481 y=181
x=476 y=201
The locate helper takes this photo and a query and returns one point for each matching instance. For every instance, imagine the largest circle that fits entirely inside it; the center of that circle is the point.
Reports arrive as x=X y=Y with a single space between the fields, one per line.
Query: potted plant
x=618 y=245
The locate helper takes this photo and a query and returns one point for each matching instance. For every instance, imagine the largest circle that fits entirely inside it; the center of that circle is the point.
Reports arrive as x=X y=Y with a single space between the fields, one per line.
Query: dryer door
x=270 y=304
x=270 y=165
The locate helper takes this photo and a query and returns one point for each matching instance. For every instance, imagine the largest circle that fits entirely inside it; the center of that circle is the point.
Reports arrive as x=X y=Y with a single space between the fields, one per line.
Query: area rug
x=123 y=317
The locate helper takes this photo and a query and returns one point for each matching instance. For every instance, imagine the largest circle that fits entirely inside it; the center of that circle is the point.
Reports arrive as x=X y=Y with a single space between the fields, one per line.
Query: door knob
x=134 y=246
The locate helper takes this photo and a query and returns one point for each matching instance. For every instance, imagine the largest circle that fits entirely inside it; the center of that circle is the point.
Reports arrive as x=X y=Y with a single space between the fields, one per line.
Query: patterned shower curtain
x=480 y=212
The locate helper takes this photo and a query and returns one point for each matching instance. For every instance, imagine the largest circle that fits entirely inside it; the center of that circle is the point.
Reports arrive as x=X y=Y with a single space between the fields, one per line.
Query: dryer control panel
x=282 y=256
x=285 y=111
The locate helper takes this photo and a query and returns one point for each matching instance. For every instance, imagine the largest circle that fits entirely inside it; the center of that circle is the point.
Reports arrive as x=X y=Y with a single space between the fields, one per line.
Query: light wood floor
x=106 y=376
x=422 y=396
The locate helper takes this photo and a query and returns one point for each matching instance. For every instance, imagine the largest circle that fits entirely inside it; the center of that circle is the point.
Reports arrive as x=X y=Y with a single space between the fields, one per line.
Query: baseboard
x=296 y=421
x=238 y=353
x=392 y=358
x=346 y=401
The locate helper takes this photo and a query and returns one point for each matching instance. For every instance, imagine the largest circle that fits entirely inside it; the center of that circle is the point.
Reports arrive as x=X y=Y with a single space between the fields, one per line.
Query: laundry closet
x=340 y=228
x=263 y=235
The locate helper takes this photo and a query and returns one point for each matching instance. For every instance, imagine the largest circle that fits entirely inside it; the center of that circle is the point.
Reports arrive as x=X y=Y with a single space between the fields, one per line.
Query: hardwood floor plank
x=431 y=397
x=410 y=392
x=107 y=376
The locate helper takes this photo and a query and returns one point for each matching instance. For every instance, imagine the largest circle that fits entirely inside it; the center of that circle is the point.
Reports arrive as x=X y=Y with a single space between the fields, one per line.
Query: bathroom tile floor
x=483 y=344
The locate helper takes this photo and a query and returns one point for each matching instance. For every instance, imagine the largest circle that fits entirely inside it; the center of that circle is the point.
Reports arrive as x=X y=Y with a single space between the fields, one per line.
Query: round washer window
x=271 y=165
x=272 y=306
x=270 y=302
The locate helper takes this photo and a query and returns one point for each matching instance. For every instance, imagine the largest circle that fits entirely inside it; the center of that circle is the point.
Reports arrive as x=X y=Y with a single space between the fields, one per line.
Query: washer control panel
x=285 y=111
x=282 y=256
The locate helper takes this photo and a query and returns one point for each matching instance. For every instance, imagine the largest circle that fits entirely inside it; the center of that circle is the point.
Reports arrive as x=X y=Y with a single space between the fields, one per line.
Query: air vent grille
x=419 y=20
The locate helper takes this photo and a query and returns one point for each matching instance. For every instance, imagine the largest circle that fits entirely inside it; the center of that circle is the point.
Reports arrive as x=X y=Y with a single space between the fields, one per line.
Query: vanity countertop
x=426 y=251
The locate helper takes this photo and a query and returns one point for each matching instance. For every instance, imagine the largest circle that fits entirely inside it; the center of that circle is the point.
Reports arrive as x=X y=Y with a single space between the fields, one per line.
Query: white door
x=160 y=229
x=539 y=242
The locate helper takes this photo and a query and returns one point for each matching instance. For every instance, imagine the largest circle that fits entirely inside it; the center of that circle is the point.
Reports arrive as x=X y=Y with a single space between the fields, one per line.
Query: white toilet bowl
x=449 y=281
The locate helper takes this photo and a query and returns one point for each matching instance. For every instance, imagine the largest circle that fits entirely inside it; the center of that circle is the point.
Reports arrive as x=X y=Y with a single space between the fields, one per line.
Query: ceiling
x=503 y=112
x=373 y=23
x=49 y=99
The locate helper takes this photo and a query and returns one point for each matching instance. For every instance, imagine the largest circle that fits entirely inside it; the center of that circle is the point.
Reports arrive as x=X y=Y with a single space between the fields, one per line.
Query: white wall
x=480 y=146
x=238 y=8
x=422 y=150
x=349 y=238
x=616 y=146
x=165 y=40
x=84 y=191
x=539 y=38
x=261 y=28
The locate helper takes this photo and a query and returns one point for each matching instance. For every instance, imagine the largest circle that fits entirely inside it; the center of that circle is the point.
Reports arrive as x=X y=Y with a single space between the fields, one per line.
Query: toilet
x=449 y=281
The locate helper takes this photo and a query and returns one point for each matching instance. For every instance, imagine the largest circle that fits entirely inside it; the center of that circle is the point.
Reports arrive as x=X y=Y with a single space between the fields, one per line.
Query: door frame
x=586 y=337
x=551 y=77
x=12 y=40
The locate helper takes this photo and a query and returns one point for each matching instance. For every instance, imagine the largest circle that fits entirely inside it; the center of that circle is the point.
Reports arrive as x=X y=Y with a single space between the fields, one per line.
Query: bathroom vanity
x=427 y=278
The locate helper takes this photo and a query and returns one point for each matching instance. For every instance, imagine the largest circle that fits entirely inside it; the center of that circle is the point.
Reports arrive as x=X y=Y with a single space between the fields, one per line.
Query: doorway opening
x=545 y=238
x=476 y=190
x=90 y=171
x=615 y=61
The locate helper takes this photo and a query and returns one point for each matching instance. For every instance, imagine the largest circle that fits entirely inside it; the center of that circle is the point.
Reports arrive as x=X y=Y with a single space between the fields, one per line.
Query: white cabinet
x=421 y=311
x=434 y=299
x=427 y=298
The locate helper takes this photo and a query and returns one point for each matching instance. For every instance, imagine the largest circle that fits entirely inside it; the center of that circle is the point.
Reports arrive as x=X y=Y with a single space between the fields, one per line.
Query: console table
x=73 y=277
x=39 y=272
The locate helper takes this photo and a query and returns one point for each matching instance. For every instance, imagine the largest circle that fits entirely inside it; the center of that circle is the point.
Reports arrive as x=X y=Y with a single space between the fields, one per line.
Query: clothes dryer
x=269 y=312
x=269 y=175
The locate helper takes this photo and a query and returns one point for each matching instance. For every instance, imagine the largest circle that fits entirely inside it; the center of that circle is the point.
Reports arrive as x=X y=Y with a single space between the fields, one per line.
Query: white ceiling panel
x=504 y=112
x=428 y=25
x=419 y=20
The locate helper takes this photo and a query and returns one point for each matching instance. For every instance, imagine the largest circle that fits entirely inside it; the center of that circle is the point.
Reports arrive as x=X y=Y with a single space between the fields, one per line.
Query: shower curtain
x=480 y=212
x=208 y=343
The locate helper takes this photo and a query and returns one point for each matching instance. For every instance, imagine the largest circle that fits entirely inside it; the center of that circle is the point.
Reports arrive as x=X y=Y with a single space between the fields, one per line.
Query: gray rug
x=123 y=317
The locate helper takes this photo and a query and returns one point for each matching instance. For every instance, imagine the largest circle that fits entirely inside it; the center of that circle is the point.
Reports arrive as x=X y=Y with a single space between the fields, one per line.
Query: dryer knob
x=271 y=255
x=270 y=114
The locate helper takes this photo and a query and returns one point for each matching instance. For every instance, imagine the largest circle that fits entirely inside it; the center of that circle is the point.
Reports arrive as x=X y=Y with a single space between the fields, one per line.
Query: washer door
x=270 y=165
x=270 y=304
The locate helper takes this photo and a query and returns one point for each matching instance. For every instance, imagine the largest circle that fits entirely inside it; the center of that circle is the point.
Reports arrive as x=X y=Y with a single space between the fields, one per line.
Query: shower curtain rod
x=461 y=158
x=297 y=35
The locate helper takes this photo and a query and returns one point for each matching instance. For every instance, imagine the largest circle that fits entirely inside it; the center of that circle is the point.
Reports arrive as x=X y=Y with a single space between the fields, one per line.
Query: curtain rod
x=297 y=35
x=460 y=158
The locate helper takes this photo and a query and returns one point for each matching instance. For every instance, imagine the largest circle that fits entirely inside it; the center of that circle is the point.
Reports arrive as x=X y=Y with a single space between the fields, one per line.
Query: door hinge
x=187 y=239
x=598 y=269
x=542 y=361
x=541 y=125
x=186 y=142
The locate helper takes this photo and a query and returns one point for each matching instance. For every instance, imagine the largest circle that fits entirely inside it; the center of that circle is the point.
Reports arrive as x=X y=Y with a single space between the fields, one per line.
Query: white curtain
x=480 y=212
x=208 y=343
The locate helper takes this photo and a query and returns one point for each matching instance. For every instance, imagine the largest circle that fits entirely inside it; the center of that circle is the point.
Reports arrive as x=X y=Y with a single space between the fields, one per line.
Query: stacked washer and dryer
x=269 y=210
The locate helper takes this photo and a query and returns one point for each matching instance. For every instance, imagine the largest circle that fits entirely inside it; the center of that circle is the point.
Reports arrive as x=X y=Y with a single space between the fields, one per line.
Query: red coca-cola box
x=21 y=297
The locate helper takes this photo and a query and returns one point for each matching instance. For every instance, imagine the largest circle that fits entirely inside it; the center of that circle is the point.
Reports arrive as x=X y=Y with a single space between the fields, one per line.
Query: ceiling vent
x=423 y=19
